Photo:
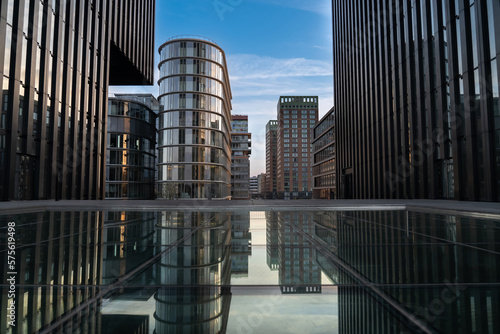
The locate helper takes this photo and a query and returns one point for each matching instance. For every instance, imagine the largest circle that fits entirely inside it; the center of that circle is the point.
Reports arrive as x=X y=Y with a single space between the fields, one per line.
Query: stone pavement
x=445 y=206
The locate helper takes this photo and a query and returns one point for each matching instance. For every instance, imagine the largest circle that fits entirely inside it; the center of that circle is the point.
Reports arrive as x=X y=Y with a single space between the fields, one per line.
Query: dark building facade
x=416 y=99
x=443 y=286
x=271 y=159
x=323 y=148
x=194 y=134
x=131 y=148
x=57 y=60
x=297 y=116
x=59 y=270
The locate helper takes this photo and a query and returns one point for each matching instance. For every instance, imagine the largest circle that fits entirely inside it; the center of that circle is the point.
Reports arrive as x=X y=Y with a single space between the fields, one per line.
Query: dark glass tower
x=57 y=60
x=416 y=99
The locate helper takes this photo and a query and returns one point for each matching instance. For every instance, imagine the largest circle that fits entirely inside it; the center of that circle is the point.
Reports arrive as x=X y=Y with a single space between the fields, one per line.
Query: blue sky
x=273 y=48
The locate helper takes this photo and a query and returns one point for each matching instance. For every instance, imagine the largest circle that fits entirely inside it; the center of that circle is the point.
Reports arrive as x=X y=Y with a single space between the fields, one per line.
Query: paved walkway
x=253 y=205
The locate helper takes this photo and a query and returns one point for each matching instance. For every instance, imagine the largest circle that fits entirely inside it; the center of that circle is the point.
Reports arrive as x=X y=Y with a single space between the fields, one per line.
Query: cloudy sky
x=273 y=48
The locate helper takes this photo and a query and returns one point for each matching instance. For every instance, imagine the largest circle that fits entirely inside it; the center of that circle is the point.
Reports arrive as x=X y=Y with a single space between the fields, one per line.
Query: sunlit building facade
x=57 y=60
x=297 y=116
x=194 y=135
x=416 y=98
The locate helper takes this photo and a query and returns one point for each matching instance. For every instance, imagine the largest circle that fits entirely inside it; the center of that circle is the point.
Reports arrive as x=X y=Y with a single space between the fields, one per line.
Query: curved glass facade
x=194 y=144
x=130 y=158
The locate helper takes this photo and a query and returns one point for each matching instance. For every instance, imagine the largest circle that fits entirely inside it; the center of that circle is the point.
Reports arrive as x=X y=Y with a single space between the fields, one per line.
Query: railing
x=188 y=36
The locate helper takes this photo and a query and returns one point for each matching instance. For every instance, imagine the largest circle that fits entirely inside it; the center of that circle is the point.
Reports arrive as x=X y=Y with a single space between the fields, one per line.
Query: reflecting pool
x=250 y=272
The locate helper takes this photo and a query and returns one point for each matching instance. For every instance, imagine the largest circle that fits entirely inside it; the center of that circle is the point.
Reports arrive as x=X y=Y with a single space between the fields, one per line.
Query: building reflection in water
x=129 y=239
x=440 y=273
x=195 y=273
x=290 y=253
x=58 y=265
x=241 y=243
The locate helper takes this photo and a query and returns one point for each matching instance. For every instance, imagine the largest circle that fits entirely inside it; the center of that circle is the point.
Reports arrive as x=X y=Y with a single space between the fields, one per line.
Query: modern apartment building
x=271 y=159
x=241 y=147
x=323 y=147
x=416 y=99
x=297 y=116
x=194 y=134
x=57 y=60
x=131 y=147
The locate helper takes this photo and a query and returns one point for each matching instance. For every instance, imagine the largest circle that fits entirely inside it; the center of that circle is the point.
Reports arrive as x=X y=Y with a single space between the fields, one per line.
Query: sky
x=272 y=47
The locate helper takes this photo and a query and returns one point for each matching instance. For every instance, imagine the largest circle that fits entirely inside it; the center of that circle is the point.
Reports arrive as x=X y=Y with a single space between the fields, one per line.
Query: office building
x=323 y=147
x=297 y=116
x=194 y=134
x=254 y=186
x=57 y=60
x=416 y=99
x=131 y=147
x=241 y=143
x=271 y=159
x=261 y=184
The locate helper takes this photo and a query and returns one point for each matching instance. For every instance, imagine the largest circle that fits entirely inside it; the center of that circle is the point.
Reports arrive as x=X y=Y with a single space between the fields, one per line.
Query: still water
x=251 y=272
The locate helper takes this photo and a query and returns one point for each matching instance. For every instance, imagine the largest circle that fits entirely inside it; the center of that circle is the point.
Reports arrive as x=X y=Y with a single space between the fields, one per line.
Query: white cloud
x=248 y=66
x=322 y=7
x=257 y=82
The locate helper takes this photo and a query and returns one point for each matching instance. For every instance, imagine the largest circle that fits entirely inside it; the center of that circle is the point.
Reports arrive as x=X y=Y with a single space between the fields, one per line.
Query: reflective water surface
x=251 y=272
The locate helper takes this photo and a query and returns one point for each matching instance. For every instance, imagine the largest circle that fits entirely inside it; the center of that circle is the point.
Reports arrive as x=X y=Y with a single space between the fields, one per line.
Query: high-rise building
x=240 y=157
x=271 y=159
x=254 y=186
x=131 y=146
x=194 y=134
x=57 y=60
x=416 y=99
x=261 y=182
x=297 y=116
x=323 y=147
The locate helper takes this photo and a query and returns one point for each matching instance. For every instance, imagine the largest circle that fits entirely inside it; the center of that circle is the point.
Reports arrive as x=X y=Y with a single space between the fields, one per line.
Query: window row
x=327 y=166
x=191 y=118
x=325 y=180
x=192 y=101
x=192 y=154
x=187 y=136
x=327 y=122
x=131 y=142
x=191 y=66
x=130 y=109
x=191 y=84
x=126 y=190
x=128 y=158
x=177 y=190
x=131 y=174
x=328 y=152
x=327 y=138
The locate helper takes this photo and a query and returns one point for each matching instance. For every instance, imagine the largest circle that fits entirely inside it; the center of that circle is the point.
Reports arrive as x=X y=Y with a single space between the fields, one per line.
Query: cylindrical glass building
x=194 y=141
